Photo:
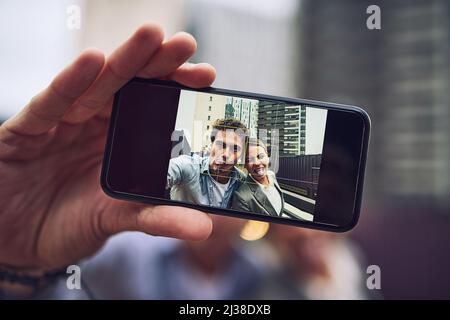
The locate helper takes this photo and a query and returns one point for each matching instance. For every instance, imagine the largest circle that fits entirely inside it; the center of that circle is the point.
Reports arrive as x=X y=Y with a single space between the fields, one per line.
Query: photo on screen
x=248 y=155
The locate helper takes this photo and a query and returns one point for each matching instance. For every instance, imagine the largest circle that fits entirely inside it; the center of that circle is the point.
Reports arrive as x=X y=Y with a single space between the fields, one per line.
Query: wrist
x=23 y=282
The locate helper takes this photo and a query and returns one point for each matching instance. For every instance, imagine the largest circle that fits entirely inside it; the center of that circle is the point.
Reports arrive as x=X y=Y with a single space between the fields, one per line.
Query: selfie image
x=248 y=155
x=228 y=156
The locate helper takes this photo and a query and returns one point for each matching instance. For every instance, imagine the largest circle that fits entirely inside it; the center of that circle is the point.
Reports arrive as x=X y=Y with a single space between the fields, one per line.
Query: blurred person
x=314 y=265
x=290 y=263
x=260 y=192
x=217 y=268
x=52 y=209
x=210 y=180
x=222 y=267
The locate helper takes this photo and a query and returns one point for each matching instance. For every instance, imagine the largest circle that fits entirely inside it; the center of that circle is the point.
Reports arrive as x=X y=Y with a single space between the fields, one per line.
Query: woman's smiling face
x=257 y=162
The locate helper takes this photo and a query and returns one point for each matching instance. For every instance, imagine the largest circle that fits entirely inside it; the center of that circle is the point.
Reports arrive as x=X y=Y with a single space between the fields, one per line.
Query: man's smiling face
x=225 y=150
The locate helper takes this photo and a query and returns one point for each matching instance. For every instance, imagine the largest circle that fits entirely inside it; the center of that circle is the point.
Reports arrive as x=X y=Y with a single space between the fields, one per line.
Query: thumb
x=167 y=221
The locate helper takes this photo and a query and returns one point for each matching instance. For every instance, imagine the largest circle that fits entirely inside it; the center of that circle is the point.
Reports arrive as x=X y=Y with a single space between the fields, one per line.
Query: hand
x=52 y=209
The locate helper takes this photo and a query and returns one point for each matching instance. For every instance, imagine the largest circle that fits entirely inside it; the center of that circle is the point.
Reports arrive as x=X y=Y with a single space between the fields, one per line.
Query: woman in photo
x=260 y=193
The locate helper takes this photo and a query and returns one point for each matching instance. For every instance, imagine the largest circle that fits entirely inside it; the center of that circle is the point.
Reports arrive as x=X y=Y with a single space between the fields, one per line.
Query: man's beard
x=223 y=168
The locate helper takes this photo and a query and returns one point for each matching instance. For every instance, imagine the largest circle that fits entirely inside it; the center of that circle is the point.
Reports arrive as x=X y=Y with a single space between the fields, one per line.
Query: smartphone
x=240 y=154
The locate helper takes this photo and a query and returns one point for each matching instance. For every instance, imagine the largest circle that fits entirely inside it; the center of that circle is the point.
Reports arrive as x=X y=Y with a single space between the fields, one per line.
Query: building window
x=209 y=108
x=209 y=118
x=207 y=127
x=210 y=98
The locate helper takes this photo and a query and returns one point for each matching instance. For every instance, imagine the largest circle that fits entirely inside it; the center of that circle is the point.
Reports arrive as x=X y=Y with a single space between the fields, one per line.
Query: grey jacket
x=250 y=198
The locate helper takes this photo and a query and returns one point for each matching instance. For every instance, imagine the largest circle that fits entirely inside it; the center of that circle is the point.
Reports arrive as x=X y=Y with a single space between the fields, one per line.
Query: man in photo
x=210 y=180
x=260 y=193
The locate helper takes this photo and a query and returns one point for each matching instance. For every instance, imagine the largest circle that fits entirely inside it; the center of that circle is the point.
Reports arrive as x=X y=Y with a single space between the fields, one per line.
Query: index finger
x=123 y=64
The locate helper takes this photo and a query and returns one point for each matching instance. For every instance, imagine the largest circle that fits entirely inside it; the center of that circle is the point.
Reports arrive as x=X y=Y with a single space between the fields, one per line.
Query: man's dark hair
x=227 y=124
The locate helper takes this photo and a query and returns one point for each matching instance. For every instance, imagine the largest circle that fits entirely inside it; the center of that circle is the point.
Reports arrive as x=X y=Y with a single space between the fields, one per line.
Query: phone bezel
x=229 y=212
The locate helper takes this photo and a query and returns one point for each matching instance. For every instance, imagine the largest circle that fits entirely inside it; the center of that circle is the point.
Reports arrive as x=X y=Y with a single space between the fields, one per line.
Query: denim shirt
x=190 y=181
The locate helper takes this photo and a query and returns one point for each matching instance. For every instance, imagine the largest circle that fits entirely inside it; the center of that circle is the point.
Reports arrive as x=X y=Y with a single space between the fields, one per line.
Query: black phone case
x=230 y=212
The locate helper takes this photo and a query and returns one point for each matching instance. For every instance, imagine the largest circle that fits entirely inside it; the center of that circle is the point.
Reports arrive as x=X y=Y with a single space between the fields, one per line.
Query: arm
x=179 y=169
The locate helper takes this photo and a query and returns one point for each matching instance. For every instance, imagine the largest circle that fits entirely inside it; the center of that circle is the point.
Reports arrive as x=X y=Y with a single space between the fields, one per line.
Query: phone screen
x=246 y=154
x=225 y=151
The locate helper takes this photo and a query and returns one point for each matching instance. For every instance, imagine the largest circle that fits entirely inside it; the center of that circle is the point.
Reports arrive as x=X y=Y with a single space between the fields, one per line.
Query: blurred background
x=319 y=50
